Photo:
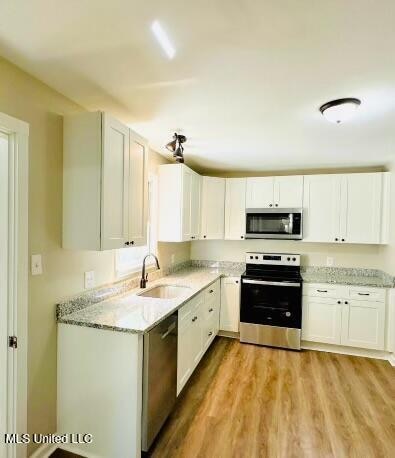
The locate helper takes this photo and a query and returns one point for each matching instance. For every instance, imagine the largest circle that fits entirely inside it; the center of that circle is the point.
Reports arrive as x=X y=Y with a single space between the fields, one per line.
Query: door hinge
x=13 y=342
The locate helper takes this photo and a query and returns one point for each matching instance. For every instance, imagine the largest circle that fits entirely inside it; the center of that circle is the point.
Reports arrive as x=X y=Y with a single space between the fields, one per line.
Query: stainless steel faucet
x=144 y=276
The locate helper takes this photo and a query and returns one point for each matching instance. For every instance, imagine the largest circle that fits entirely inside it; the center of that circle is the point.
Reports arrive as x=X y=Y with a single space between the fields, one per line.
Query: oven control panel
x=280 y=259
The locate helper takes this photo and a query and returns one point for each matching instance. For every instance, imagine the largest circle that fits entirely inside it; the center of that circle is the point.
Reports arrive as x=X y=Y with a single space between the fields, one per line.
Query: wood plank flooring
x=250 y=401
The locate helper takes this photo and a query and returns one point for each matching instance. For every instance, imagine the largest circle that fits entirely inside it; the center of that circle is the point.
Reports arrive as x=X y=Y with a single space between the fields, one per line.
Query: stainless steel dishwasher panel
x=159 y=377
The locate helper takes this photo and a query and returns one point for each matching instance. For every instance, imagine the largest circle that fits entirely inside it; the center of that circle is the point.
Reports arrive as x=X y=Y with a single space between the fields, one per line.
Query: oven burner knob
x=287 y=313
x=251 y=257
x=256 y=257
x=288 y=259
x=293 y=259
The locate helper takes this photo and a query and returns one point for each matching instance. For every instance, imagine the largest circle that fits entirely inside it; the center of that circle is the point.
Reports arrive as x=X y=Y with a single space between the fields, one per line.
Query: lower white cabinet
x=344 y=315
x=198 y=324
x=230 y=304
x=363 y=324
x=321 y=320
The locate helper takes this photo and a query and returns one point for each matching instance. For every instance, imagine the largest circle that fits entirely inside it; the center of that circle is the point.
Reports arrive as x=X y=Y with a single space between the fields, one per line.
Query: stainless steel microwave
x=274 y=223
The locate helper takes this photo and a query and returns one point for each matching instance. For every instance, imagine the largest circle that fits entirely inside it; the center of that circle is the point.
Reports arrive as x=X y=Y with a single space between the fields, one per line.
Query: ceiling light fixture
x=175 y=146
x=340 y=110
x=163 y=39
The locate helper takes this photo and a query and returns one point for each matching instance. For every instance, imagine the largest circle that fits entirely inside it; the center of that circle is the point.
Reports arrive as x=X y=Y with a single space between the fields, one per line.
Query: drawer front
x=185 y=312
x=324 y=290
x=362 y=293
x=212 y=292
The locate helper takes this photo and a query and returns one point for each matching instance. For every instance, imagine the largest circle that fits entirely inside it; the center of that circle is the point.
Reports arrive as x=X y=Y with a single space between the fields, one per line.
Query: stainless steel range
x=271 y=300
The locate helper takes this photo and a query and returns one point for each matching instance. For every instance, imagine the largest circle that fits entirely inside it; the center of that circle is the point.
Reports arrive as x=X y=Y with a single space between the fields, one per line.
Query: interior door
x=363 y=324
x=138 y=190
x=260 y=192
x=321 y=320
x=235 y=204
x=361 y=201
x=213 y=208
x=288 y=191
x=4 y=350
x=115 y=184
x=321 y=208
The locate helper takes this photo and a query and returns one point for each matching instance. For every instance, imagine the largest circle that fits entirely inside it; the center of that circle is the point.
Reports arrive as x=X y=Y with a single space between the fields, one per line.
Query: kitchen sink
x=165 y=291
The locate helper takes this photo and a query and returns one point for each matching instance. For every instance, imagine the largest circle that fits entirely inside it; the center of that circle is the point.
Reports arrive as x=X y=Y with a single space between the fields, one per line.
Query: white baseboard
x=44 y=451
x=391 y=359
x=230 y=334
x=351 y=351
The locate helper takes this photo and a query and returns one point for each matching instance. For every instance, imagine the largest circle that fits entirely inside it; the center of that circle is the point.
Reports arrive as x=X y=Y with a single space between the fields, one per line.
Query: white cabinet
x=179 y=203
x=321 y=320
x=198 y=324
x=273 y=192
x=361 y=208
x=363 y=323
x=346 y=208
x=213 y=208
x=104 y=183
x=344 y=315
x=321 y=208
x=138 y=189
x=235 y=199
x=230 y=304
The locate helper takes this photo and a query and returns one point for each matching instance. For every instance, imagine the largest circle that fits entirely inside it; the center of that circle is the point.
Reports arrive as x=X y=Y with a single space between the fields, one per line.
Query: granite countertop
x=131 y=313
x=348 y=276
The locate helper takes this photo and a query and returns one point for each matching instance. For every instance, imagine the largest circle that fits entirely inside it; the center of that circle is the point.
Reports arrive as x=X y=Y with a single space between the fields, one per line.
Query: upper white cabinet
x=349 y=208
x=235 y=204
x=179 y=203
x=275 y=192
x=321 y=208
x=104 y=183
x=213 y=208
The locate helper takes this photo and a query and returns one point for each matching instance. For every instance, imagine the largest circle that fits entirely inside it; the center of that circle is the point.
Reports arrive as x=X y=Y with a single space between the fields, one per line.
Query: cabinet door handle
x=194 y=318
x=270 y=205
x=242 y=237
x=132 y=242
x=346 y=302
x=237 y=281
x=204 y=236
x=210 y=334
x=322 y=290
x=276 y=205
x=343 y=240
x=339 y=302
x=211 y=310
x=211 y=291
x=364 y=294
x=336 y=239
x=127 y=243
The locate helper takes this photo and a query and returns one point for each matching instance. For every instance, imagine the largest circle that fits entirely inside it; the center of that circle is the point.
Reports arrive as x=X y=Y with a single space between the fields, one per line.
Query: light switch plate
x=36 y=264
x=329 y=261
x=90 y=279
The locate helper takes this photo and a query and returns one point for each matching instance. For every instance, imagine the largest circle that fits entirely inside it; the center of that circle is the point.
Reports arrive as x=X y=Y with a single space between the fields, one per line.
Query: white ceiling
x=246 y=82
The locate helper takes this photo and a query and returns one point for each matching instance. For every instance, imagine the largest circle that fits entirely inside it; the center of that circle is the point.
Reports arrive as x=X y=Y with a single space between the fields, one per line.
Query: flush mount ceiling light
x=163 y=39
x=175 y=146
x=340 y=110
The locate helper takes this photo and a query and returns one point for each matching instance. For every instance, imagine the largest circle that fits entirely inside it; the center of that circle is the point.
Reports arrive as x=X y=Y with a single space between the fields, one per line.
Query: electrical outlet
x=329 y=261
x=90 y=279
x=172 y=258
x=36 y=264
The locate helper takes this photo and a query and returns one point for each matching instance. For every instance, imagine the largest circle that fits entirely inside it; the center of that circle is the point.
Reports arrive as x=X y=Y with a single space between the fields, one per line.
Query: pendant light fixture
x=340 y=110
x=175 y=146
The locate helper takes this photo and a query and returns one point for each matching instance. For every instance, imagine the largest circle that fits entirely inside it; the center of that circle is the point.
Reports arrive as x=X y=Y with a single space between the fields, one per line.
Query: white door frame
x=18 y=136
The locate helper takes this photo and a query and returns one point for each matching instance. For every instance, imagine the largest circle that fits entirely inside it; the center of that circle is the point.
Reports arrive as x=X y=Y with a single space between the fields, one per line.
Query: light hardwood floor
x=250 y=401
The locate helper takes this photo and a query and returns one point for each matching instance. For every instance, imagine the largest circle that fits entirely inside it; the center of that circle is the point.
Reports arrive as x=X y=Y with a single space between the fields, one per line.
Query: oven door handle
x=272 y=283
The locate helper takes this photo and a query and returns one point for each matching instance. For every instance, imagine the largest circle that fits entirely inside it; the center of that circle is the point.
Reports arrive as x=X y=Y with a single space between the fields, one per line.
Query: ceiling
x=245 y=84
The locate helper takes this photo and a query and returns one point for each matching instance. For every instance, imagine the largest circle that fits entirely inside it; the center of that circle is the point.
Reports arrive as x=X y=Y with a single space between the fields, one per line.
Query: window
x=130 y=260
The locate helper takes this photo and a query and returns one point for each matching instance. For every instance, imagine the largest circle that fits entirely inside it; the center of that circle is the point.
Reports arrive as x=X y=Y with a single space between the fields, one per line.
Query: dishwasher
x=159 y=378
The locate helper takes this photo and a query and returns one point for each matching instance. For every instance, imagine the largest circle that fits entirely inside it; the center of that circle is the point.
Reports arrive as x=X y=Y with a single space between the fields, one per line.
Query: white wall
x=313 y=254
